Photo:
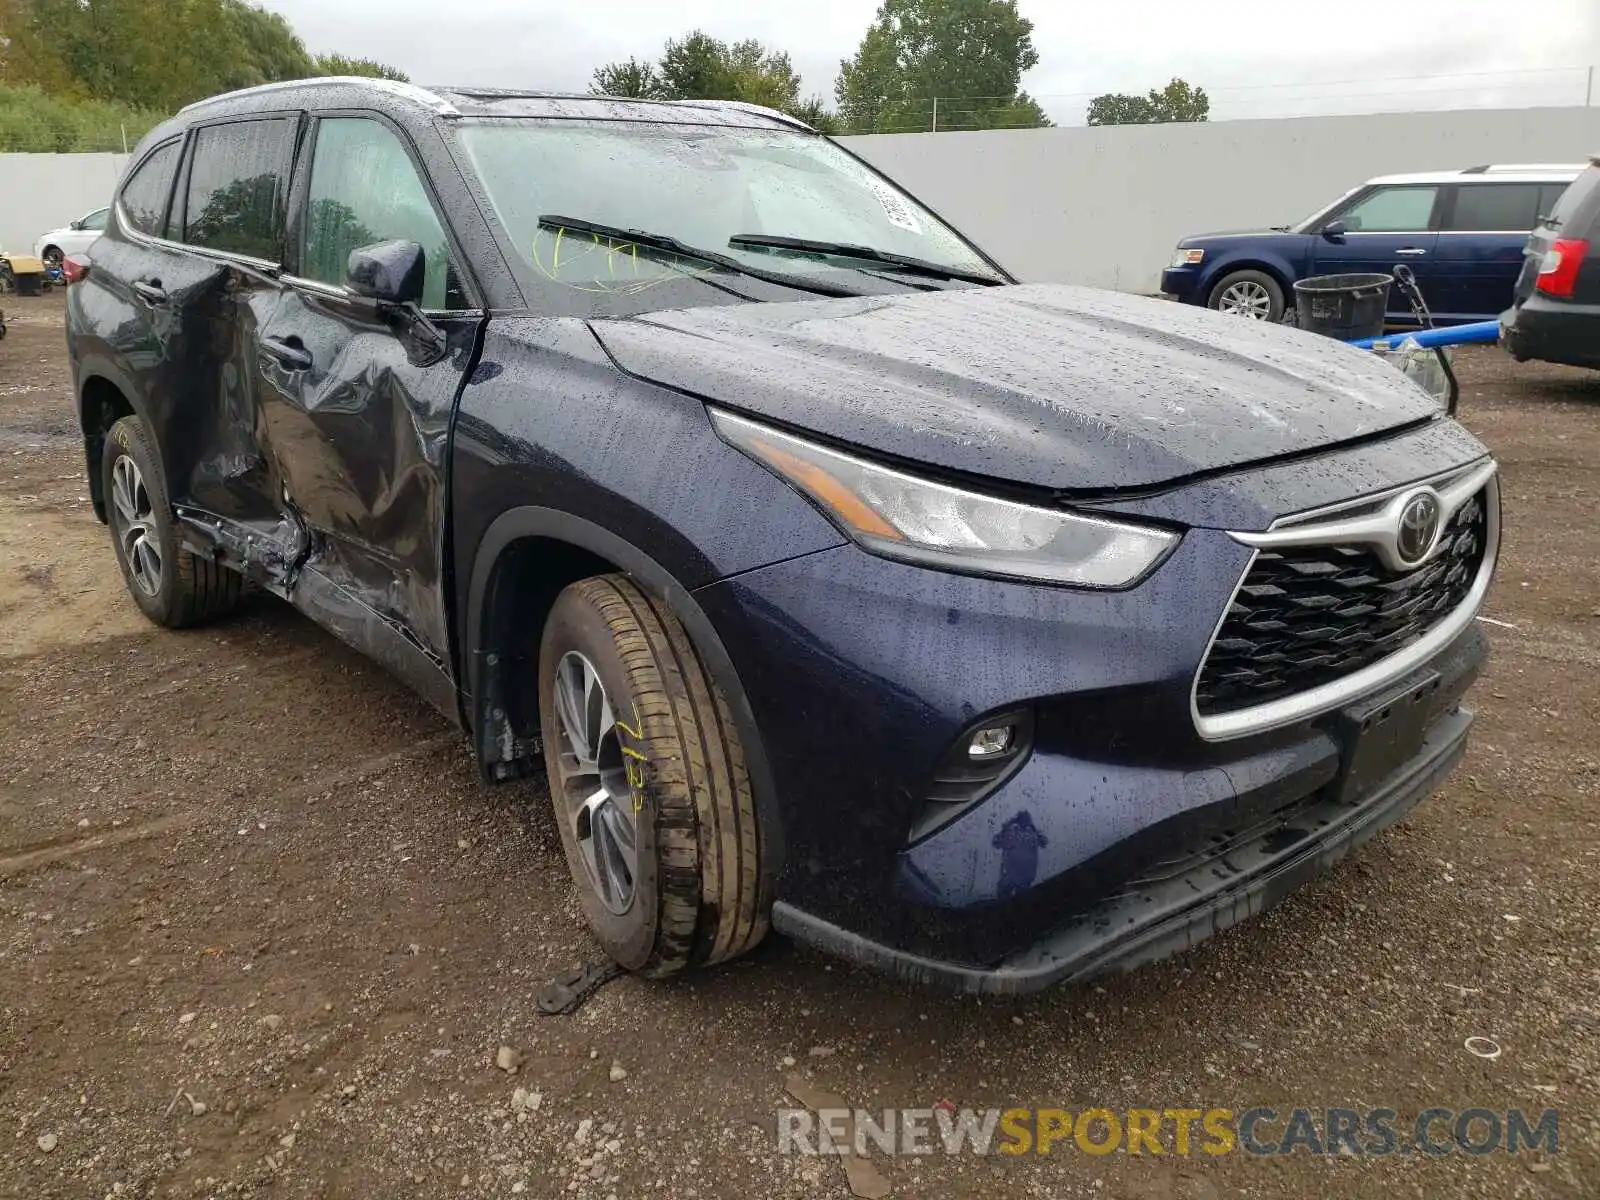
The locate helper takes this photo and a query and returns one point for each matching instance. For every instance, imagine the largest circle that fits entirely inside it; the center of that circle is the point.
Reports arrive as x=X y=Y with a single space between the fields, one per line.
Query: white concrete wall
x=1105 y=206
x=1095 y=206
x=40 y=192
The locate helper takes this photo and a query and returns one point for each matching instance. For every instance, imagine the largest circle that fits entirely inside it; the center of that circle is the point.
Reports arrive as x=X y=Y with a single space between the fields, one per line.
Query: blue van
x=1461 y=232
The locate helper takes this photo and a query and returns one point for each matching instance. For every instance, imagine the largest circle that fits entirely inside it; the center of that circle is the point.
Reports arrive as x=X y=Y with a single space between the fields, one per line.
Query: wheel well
x=527 y=577
x=1234 y=268
x=102 y=406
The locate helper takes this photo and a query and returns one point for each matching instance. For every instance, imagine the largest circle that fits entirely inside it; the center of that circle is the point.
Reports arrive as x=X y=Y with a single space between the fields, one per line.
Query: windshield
x=1314 y=222
x=703 y=186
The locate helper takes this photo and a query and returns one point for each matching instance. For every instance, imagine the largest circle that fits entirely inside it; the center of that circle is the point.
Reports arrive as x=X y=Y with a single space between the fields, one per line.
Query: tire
x=171 y=586
x=52 y=255
x=1233 y=289
x=697 y=891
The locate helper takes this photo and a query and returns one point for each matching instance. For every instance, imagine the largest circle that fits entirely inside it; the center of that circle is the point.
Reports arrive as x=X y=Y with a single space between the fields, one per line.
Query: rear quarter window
x=233 y=201
x=144 y=195
x=1577 y=213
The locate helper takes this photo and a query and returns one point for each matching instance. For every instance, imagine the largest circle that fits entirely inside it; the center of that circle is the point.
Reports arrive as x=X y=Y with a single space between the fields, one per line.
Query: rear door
x=228 y=214
x=1385 y=225
x=358 y=422
x=1482 y=239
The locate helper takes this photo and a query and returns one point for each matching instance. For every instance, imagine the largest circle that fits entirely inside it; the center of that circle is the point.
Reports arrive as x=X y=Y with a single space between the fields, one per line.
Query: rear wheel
x=1252 y=294
x=648 y=780
x=170 y=585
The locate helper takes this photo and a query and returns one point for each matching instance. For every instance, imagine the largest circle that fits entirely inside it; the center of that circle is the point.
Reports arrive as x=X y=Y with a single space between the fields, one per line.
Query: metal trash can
x=1342 y=306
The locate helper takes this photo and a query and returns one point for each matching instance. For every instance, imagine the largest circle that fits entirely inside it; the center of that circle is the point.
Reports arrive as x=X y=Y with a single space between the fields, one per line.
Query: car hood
x=1043 y=385
x=1226 y=234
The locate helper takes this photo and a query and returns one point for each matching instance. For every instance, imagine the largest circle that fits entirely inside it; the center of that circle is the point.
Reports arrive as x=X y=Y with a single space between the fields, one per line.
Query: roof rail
x=1510 y=168
x=754 y=109
x=404 y=91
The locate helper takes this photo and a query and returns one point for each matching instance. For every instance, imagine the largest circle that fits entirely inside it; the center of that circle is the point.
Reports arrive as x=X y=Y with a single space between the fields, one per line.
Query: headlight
x=916 y=520
x=1188 y=258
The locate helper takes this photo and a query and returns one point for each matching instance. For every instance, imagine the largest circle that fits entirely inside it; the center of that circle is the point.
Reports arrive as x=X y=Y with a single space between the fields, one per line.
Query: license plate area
x=1382 y=733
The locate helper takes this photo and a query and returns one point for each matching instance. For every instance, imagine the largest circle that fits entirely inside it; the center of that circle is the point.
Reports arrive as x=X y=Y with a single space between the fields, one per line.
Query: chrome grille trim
x=1366 y=521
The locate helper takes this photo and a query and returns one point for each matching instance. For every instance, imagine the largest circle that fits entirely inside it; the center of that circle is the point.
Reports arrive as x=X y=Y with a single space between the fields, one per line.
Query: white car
x=58 y=243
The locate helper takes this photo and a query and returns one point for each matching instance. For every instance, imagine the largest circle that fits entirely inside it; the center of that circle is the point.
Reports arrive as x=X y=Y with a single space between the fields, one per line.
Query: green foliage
x=1175 y=102
x=971 y=54
x=638 y=80
x=78 y=70
x=815 y=114
x=31 y=120
x=338 y=64
x=701 y=67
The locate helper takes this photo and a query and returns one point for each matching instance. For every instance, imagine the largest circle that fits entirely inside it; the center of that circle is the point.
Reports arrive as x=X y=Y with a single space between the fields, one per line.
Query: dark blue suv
x=985 y=633
x=1461 y=232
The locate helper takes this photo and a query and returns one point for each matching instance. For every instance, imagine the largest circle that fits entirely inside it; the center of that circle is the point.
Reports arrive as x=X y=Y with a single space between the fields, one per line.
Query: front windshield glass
x=1314 y=222
x=702 y=185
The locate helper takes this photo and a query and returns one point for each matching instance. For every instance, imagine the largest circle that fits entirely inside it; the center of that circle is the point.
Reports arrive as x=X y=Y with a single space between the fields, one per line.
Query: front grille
x=1306 y=616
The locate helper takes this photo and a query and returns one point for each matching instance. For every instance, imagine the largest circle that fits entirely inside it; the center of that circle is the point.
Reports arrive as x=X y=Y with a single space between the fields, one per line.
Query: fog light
x=991 y=743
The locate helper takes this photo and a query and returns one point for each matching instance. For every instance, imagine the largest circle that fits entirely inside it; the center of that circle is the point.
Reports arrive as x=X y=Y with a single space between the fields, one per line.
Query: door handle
x=287 y=351
x=150 y=291
x=1411 y=252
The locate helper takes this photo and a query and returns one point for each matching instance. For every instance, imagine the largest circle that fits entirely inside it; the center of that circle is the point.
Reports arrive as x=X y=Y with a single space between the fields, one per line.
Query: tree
x=1175 y=102
x=154 y=54
x=701 y=67
x=338 y=64
x=970 y=54
x=815 y=114
x=632 y=78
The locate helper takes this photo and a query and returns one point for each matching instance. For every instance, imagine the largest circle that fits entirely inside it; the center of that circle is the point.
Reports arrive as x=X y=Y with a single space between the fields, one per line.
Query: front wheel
x=1252 y=294
x=52 y=256
x=647 y=777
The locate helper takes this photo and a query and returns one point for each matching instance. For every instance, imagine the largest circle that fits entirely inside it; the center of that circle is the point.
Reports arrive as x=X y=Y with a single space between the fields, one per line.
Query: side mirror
x=75 y=226
x=1334 y=231
x=388 y=272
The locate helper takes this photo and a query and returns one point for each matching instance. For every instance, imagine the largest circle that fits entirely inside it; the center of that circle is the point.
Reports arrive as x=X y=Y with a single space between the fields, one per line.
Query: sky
x=1256 y=58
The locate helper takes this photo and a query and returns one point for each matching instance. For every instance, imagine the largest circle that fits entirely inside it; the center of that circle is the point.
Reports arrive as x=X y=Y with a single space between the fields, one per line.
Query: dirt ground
x=262 y=932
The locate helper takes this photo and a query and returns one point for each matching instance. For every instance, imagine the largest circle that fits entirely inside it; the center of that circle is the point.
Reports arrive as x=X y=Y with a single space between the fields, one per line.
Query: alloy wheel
x=1246 y=298
x=595 y=793
x=135 y=525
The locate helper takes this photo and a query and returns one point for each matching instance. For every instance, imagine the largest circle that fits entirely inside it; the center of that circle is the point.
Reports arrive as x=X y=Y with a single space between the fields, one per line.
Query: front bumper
x=1553 y=331
x=1183 y=283
x=1183 y=900
x=862 y=674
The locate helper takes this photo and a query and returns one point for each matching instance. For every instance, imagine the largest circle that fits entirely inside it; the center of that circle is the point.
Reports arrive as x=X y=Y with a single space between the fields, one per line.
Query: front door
x=1382 y=227
x=358 y=422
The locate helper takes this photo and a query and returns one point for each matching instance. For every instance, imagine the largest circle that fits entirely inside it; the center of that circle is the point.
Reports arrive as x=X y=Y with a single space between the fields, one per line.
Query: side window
x=1496 y=207
x=232 y=199
x=1391 y=210
x=364 y=189
x=1550 y=196
x=144 y=195
x=95 y=222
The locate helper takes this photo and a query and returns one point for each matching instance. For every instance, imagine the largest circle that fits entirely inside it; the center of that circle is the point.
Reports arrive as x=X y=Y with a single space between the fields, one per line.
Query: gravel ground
x=263 y=933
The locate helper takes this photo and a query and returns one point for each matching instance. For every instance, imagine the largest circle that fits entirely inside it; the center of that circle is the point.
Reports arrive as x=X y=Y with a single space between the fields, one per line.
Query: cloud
x=1255 y=57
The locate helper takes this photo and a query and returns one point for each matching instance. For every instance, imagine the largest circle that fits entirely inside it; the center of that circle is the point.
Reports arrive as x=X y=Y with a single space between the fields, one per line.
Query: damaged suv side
x=990 y=634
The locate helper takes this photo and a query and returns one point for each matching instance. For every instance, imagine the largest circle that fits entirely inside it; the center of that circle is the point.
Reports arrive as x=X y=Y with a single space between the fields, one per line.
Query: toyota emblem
x=1419 y=528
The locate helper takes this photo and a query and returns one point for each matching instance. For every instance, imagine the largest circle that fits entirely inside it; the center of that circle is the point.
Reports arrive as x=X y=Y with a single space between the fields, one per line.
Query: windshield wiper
x=664 y=244
x=903 y=262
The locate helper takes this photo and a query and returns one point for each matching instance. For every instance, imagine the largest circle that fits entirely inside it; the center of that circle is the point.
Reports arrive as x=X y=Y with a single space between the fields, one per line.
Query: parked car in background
x=1555 y=316
x=72 y=238
x=985 y=633
x=1461 y=232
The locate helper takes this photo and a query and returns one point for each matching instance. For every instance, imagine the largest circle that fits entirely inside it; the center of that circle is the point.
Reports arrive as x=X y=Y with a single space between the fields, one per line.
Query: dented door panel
x=359 y=434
